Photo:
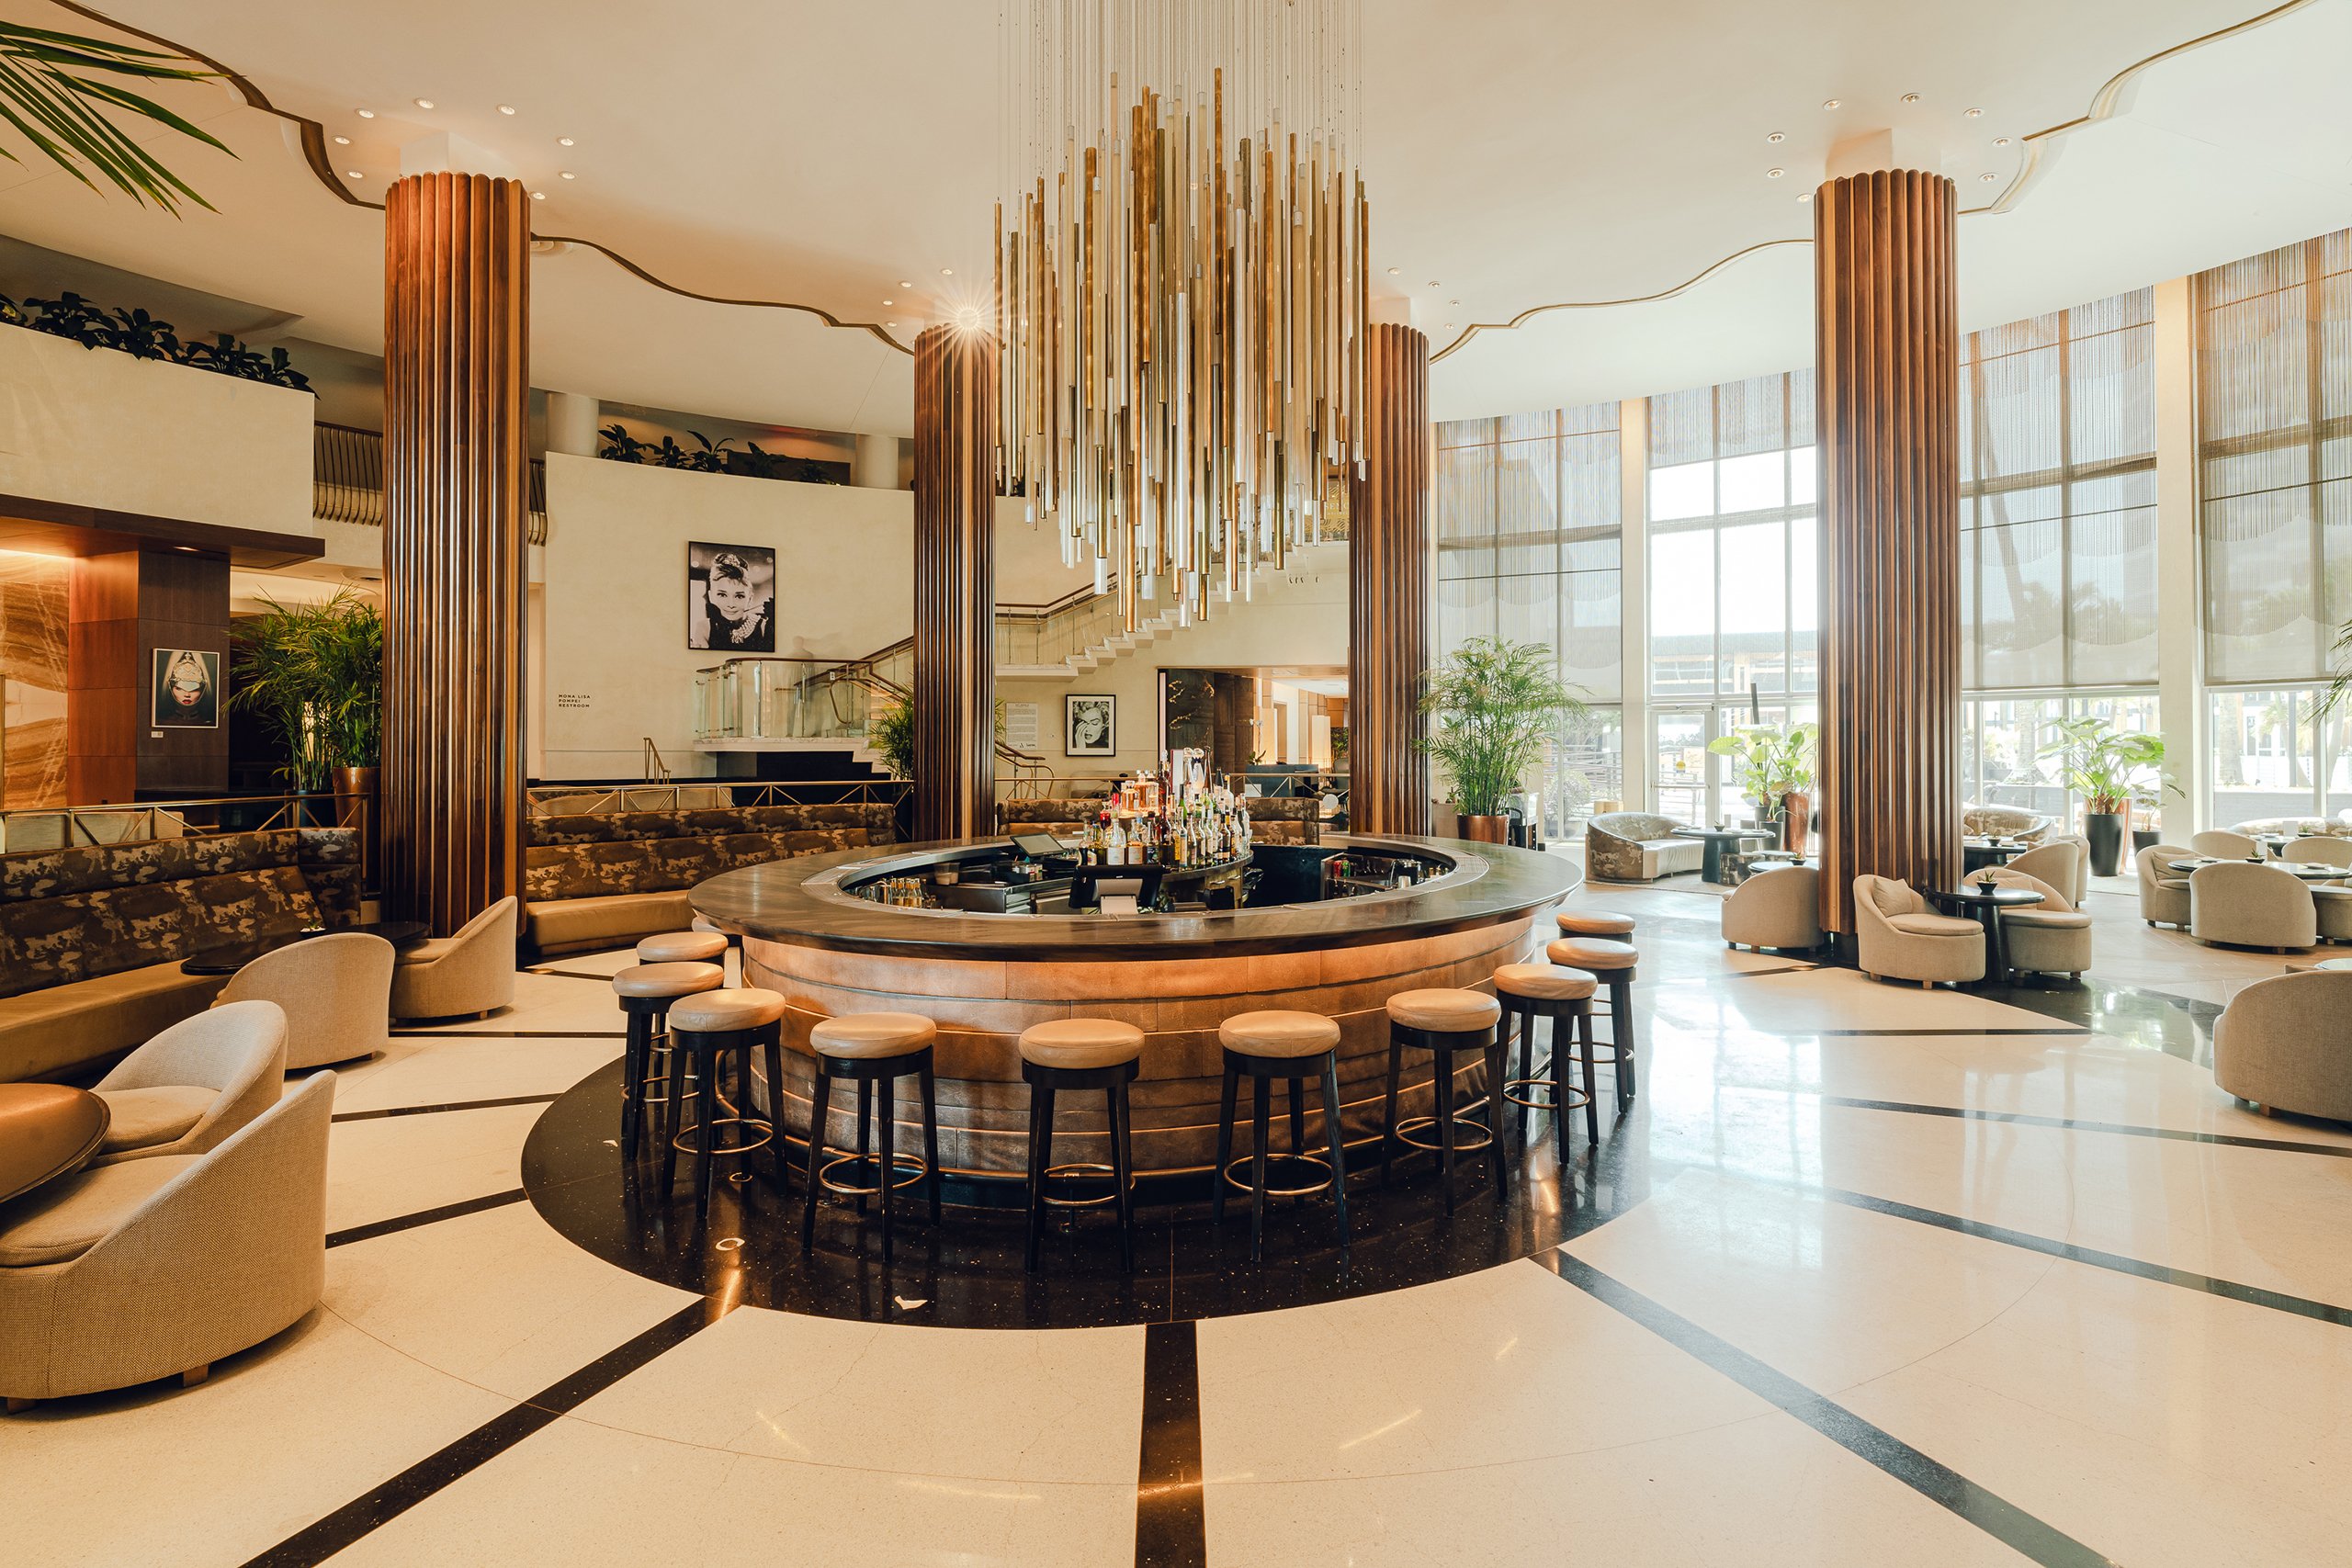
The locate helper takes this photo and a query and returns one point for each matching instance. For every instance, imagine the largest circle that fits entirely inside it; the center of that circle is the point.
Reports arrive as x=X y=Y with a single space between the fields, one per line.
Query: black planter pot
x=2105 y=830
x=2145 y=839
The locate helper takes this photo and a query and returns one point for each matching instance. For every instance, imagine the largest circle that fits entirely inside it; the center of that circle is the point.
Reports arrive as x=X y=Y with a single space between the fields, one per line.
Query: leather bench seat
x=612 y=920
x=48 y=1032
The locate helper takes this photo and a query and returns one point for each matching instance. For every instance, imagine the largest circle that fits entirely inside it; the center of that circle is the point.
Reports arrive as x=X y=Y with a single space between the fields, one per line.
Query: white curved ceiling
x=1524 y=153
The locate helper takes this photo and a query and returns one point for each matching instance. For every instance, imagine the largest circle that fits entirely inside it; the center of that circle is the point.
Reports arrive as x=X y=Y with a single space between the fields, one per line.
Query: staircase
x=1088 y=626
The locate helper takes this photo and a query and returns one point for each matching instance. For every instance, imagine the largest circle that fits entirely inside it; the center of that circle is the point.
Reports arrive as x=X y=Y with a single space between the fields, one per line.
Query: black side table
x=1985 y=904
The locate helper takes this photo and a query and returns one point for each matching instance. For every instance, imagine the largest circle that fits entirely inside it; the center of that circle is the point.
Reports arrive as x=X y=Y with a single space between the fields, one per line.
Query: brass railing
x=584 y=799
x=348 y=479
x=33 y=827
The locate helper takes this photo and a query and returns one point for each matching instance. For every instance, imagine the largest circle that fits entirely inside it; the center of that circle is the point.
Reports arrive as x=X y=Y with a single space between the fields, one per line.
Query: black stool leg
x=1388 y=1112
x=1224 y=1139
x=864 y=1120
x=705 y=1113
x=1524 y=1018
x=1297 y=1117
x=1586 y=1032
x=1041 y=1149
x=1441 y=1086
x=1559 y=1091
x=1621 y=1030
x=636 y=1062
x=886 y=1107
x=1118 y=1097
x=773 y=1048
x=930 y=1138
x=1261 y=1097
x=1498 y=1125
x=820 y=1103
x=1336 y=1135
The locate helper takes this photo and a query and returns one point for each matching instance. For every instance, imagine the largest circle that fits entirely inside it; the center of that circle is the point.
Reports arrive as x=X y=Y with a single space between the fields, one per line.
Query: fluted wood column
x=1389 y=605
x=456 y=472
x=954 y=681
x=1888 y=368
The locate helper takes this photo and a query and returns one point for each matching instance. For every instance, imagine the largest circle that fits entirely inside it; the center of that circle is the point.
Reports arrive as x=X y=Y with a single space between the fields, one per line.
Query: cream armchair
x=2224 y=845
x=472 y=972
x=1897 y=937
x=194 y=1084
x=2251 y=906
x=2053 y=937
x=2285 y=1044
x=2324 y=850
x=336 y=990
x=1776 y=909
x=2063 y=863
x=2163 y=892
x=158 y=1267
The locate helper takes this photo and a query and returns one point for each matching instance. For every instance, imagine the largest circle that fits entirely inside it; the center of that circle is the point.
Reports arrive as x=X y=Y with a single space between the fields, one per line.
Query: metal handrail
x=596 y=797
x=348 y=479
x=33 y=827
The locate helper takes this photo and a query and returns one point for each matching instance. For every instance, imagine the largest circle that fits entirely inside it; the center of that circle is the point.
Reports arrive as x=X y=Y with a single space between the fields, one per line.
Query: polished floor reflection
x=1868 y=1275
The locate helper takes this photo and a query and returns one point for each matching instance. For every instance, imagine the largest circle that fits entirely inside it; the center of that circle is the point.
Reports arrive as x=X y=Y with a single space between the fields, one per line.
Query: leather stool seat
x=1592 y=953
x=1077 y=1044
x=870 y=1036
x=1545 y=982
x=667 y=980
x=1278 y=1033
x=1444 y=1011
x=1594 y=923
x=683 y=947
x=713 y=1012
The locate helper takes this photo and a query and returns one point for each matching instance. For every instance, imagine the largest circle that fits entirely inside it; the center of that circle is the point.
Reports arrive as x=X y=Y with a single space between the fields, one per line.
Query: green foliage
x=2108 y=768
x=708 y=457
x=142 y=336
x=315 y=674
x=52 y=92
x=892 y=732
x=1768 y=765
x=1494 y=706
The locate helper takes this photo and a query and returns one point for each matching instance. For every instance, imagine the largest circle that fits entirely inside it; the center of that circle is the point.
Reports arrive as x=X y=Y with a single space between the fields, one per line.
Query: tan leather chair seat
x=141 y=1118
x=1279 y=1032
x=1593 y=952
x=46 y=1130
x=708 y=1012
x=1933 y=925
x=1545 y=982
x=1593 y=922
x=864 y=1036
x=69 y=1216
x=1444 y=1011
x=667 y=980
x=683 y=947
x=1081 y=1043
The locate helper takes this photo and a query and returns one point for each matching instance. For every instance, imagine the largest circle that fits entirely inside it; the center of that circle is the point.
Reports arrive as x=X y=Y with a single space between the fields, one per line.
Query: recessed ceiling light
x=1777 y=138
x=506 y=108
x=1804 y=195
x=2000 y=141
x=366 y=113
x=889 y=301
x=424 y=103
x=1973 y=113
x=342 y=141
x=1829 y=103
x=1395 y=270
x=889 y=323
x=1449 y=326
x=904 y=284
x=1453 y=301
x=1774 y=174
x=1432 y=283
x=353 y=175
x=568 y=175
x=1988 y=178
x=538 y=195
x=1910 y=97
x=563 y=141
x=946 y=271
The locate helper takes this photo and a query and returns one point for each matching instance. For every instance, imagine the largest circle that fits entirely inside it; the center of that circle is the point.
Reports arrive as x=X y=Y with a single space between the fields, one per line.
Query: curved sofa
x=2285 y=1044
x=1637 y=846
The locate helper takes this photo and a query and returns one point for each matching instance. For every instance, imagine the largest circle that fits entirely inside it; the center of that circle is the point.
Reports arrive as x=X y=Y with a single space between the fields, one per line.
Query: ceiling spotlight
x=889 y=301
x=1453 y=301
x=1449 y=326
x=568 y=175
x=889 y=323
x=1988 y=179
x=366 y=113
x=1777 y=138
x=1829 y=103
x=1432 y=283
x=1910 y=97
x=1973 y=114
x=904 y=284
x=506 y=108
x=424 y=103
x=1395 y=270
x=538 y=195
x=1804 y=195
x=946 y=271
x=2000 y=141
x=342 y=141
x=1774 y=174
x=563 y=141
x=353 y=175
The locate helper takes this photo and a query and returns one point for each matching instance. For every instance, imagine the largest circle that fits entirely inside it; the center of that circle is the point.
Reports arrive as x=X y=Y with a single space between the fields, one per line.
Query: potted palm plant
x=314 y=674
x=1775 y=771
x=2106 y=767
x=1494 y=706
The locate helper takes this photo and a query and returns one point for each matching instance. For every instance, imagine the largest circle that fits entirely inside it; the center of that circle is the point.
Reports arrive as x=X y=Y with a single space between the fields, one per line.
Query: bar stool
x=703 y=1029
x=1612 y=963
x=1445 y=1024
x=870 y=1049
x=1530 y=991
x=1081 y=1053
x=1594 y=923
x=1293 y=1047
x=683 y=947
x=646 y=991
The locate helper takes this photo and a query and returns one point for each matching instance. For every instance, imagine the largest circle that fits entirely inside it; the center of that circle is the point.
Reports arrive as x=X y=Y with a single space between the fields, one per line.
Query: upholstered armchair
x=1897 y=937
x=336 y=990
x=2053 y=937
x=2163 y=892
x=2062 y=863
x=2251 y=906
x=1780 y=908
x=2285 y=1044
x=472 y=972
x=2005 y=822
x=1637 y=846
x=2320 y=849
x=195 y=1084
x=160 y=1267
x=2224 y=845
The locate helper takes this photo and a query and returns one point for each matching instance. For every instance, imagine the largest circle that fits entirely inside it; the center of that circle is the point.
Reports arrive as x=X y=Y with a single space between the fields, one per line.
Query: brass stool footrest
x=664 y=1097
x=1521 y=1091
x=1083 y=1170
x=1274 y=1163
x=1484 y=1134
x=911 y=1163
x=744 y=1145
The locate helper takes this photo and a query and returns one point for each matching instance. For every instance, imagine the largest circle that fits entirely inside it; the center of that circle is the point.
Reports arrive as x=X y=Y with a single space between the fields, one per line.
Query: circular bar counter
x=985 y=977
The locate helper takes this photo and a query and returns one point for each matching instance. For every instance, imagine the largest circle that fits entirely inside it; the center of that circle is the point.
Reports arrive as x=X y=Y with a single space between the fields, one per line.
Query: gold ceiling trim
x=2102 y=107
x=314 y=153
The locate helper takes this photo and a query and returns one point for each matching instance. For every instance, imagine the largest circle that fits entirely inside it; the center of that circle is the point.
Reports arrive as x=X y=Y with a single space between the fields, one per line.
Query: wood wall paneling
x=1888 y=356
x=183 y=603
x=1390 y=589
x=102 y=679
x=455 y=471
x=955 y=609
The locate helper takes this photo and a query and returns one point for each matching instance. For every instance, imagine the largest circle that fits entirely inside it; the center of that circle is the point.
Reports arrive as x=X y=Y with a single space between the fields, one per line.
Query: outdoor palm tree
x=55 y=92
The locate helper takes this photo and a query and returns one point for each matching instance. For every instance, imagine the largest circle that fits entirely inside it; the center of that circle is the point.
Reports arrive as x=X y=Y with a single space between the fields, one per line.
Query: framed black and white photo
x=187 y=690
x=1089 y=726
x=730 y=598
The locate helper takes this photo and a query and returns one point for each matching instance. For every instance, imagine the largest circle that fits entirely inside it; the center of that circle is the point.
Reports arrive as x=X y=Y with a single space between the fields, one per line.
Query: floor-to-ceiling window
x=2058 y=540
x=1733 y=587
x=1527 y=530
x=2274 y=413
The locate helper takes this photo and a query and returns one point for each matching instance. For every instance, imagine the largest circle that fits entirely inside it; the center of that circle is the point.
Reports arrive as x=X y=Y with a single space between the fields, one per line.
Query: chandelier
x=1181 y=283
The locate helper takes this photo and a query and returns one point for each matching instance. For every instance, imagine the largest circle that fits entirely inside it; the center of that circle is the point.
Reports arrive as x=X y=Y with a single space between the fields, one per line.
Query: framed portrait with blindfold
x=188 y=689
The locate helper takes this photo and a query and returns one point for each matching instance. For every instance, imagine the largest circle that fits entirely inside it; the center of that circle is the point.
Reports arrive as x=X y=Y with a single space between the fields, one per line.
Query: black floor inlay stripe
x=485 y=1442
x=508 y=1034
x=453 y=1105
x=424 y=1217
x=1900 y=1033
x=2252 y=1295
x=2125 y=1129
x=1171 y=1524
x=571 y=974
x=1938 y=1483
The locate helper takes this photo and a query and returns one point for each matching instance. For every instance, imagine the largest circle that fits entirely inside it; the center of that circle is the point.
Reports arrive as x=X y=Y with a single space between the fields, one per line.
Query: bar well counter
x=809 y=934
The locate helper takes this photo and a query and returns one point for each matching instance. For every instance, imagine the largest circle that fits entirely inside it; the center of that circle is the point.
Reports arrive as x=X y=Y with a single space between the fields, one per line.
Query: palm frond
x=53 y=95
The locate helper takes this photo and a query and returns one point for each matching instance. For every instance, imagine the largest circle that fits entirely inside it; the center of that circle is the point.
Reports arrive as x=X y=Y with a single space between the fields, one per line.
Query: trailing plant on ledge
x=140 y=335
x=708 y=457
